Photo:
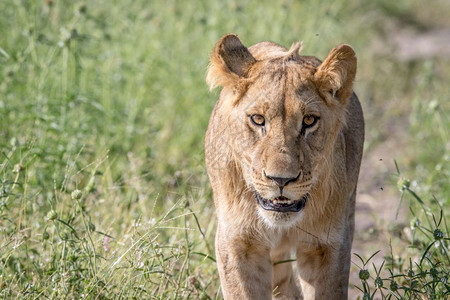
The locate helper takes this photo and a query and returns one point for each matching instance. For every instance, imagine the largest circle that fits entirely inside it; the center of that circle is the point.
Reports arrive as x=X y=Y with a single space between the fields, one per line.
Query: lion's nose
x=282 y=181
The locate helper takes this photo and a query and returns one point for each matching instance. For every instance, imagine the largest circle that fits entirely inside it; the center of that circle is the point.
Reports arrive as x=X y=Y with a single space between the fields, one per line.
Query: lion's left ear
x=335 y=76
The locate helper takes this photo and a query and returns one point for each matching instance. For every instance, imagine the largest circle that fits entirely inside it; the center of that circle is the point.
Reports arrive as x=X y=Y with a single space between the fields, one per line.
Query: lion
x=283 y=150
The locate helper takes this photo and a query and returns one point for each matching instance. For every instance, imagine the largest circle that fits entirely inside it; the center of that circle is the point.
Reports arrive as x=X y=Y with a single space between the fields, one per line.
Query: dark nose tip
x=282 y=181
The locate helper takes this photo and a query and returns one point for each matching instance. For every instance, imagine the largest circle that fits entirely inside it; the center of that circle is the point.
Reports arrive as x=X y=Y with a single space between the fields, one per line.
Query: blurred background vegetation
x=103 y=109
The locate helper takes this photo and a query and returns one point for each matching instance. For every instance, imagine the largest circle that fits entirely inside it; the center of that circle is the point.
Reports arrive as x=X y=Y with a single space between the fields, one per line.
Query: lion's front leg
x=284 y=286
x=324 y=271
x=244 y=267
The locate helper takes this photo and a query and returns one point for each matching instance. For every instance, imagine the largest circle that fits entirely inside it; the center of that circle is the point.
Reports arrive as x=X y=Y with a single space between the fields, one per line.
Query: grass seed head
x=364 y=274
x=91 y=227
x=434 y=273
x=438 y=234
x=52 y=215
x=393 y=286
x=65 y=235
x=378 y=282
x=403 y=183
x=81 y=8
x=76 y=195
x=18 y=168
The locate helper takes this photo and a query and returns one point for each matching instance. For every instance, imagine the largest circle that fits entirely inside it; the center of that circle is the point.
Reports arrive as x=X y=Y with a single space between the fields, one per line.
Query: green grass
x=423 y=271
x=109 y=99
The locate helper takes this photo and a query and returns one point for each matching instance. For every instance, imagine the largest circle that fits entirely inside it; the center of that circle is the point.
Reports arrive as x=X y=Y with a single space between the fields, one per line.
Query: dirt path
x=376 y=208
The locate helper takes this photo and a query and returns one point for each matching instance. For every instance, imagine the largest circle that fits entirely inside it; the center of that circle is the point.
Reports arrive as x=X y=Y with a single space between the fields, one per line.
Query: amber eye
x=258 y=120
x=309 y=121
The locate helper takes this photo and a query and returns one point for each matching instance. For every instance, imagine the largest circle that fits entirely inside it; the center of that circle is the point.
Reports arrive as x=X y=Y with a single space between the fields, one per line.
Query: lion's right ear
x=230 y=62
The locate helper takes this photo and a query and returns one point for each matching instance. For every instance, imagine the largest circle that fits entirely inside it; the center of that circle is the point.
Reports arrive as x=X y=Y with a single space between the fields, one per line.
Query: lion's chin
x=282 y=204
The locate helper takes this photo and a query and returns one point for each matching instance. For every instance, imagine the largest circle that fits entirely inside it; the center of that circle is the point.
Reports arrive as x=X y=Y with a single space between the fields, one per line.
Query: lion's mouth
x=282 y=204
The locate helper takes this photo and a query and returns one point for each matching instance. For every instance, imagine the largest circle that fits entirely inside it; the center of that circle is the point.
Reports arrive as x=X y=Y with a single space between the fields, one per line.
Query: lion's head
x=283 y=114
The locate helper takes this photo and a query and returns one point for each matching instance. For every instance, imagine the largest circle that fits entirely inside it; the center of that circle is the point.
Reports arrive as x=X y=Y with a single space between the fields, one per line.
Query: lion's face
x=283 y=120
x=281 y=128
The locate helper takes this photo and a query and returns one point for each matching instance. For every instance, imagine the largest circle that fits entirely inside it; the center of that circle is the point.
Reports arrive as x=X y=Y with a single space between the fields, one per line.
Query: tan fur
x=244 y=159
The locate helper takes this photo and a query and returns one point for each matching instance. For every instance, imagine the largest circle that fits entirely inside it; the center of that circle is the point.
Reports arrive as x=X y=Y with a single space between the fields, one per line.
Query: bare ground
x=377 y=206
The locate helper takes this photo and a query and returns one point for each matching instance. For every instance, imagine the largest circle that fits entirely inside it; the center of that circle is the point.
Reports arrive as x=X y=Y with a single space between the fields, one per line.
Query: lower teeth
x=282 y=202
